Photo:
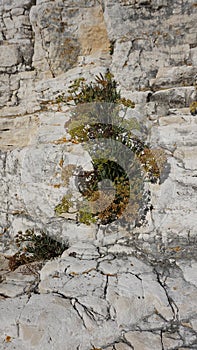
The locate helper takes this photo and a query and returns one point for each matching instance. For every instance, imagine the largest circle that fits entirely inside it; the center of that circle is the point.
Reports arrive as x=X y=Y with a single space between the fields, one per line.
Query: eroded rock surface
x=114 y=288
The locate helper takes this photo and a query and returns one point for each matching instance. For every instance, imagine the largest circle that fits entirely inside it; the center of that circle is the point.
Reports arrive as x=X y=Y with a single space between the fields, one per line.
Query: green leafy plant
x=34 y=246
x=104 y=89
x=97 y=116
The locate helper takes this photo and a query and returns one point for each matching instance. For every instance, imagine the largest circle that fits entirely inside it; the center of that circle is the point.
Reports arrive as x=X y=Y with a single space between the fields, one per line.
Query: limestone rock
x=189 y=271
x=115 y=287
x=9 y=56
x=144 y=340
x=175 y=97
x=19 y=131
x=4 y=89
x=176 y=75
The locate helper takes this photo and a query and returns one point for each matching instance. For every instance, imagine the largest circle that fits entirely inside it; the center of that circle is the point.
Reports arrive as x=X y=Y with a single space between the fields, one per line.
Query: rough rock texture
x=114 y=288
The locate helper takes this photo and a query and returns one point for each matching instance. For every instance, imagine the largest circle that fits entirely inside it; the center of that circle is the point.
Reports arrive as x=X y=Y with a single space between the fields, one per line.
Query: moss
x=193 y=108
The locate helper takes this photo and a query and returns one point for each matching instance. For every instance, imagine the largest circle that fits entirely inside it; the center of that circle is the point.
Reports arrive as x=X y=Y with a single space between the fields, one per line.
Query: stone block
x=17 y=133
x=9 y=24
x=144 y=340
x=11 y=4
x=174 y=76
x=9 y=56
x=17 y=11
x=4 y=89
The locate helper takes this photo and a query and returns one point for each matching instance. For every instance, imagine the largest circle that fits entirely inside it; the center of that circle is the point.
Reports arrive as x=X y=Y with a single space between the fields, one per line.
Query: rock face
x=114 y=287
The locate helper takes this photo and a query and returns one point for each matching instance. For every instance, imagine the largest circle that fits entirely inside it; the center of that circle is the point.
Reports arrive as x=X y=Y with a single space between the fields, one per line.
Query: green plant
x=88 y=186
x=193 y=108
x=34 y=246
x=104 y=89
x=64 y=206
x=96 y=116
x=85 y=216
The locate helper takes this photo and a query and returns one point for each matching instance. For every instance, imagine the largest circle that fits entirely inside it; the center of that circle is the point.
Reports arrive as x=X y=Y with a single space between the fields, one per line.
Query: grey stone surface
x=114 y=288
x=134 y=302
x=9 y=56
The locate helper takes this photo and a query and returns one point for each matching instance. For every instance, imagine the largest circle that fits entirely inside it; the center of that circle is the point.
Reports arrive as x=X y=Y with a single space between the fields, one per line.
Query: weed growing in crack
x=104 y=89
x=34 y=247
